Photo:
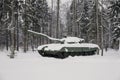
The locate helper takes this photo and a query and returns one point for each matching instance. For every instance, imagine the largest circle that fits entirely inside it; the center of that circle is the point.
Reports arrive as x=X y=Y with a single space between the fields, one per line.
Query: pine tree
x=115 y=22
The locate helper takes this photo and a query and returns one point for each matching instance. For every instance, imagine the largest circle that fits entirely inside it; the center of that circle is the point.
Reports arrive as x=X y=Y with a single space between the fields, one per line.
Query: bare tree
x=12 y=30
x=97 y=23
x=57 y=27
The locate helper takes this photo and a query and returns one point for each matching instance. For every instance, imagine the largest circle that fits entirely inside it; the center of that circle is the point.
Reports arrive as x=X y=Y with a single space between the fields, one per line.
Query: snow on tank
x=67 y=46
x=72 y=40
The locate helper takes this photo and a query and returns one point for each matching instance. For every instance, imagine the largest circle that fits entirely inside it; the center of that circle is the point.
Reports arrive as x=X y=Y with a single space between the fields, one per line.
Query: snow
x=31 y=66
x=56 y=47
x=118 y=26
x=41 y=47
x=72 y=39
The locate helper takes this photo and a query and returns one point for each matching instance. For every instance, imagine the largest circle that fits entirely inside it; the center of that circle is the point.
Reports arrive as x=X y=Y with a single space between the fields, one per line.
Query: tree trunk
x=7 y=40
x=51 y=22
x=57 y=28
x=102 y=40
x=97 y=25
x=74 y=19
x=12 y=48
x=17 y=43
x=12 y=31
x=25 y=32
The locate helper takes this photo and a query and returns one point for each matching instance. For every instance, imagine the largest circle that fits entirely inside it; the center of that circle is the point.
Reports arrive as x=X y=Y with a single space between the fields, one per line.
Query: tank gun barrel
x=41 y=34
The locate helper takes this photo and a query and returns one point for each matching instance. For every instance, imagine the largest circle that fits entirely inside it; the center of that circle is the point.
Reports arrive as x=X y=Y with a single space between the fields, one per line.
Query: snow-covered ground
x=31 y=66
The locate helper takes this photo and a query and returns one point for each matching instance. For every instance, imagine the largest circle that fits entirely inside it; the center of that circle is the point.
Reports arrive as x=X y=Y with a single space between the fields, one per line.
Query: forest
x=96 y=21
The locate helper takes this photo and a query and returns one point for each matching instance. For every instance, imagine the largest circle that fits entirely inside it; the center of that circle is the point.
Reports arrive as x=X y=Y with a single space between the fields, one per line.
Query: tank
x=68 y=46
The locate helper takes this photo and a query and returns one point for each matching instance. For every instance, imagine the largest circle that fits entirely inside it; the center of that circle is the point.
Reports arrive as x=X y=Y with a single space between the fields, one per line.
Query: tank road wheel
x=62 y=55
x=84 y=53
x=41 y=52
x=91 y=53
x=94 y=52
x=73 y=54
x=65 y=55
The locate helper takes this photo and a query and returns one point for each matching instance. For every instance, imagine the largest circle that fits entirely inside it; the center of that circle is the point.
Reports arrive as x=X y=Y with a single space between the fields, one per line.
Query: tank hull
x=65 y=50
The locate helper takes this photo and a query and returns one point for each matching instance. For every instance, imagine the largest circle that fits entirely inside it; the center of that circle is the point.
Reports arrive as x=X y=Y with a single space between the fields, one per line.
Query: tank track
x=63 y=55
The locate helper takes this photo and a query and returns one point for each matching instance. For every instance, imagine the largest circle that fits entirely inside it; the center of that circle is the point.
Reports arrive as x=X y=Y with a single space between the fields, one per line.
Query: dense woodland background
x=97 y=21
